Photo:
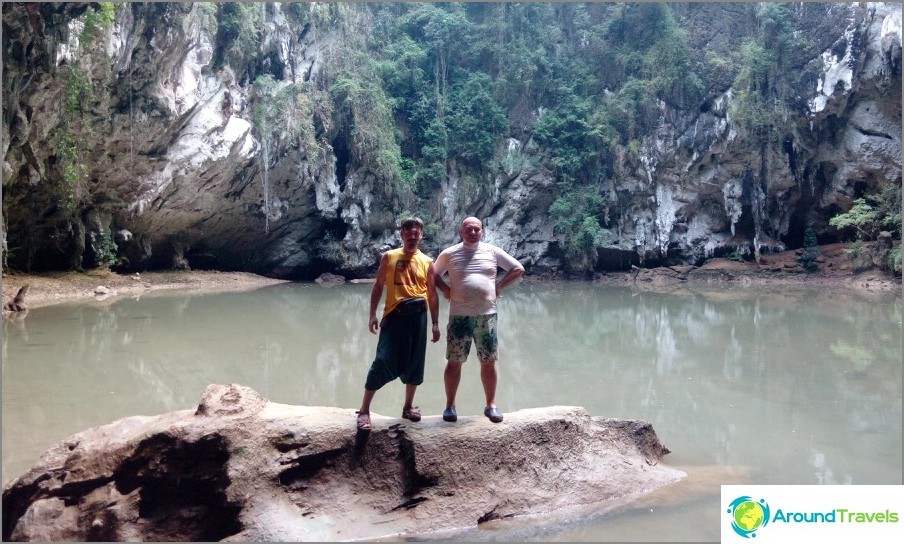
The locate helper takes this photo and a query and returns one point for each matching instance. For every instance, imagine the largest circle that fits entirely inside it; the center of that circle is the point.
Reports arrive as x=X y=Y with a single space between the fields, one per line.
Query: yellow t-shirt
x=406 y=276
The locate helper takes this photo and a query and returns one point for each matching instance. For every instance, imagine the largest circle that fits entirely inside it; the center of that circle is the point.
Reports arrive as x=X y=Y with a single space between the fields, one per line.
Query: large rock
x=242 y=468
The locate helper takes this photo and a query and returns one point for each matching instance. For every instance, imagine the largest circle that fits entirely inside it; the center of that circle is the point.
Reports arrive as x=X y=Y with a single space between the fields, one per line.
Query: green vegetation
x=83 y=92
x=207 y=16
x=360 y=103
x=283 y=112
x=75 y=129
x=867 y=218
x=761 y=92
x=316 y=13
x=107 y=256
x=78 y=116
x=475 y=119
x=96 y=21
x=282 y=115
x=751 y=107
x=871 y=214
x=329 y=249
x=810 y=254
x=460 y=78
x=576 y=225
x=568 y=131
x=239 y=26
x=859 y=257
x=365 y=108
x=893 y=262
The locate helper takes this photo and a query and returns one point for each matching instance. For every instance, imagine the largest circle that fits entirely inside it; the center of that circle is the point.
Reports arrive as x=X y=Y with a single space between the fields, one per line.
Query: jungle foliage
x=581 y=79
x=762 y=94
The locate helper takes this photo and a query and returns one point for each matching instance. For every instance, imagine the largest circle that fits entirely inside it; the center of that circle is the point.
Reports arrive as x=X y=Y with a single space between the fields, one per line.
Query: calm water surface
x=765 y=387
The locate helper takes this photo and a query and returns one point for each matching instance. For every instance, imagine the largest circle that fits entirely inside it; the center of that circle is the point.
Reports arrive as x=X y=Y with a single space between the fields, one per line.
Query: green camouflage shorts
x=463 y=328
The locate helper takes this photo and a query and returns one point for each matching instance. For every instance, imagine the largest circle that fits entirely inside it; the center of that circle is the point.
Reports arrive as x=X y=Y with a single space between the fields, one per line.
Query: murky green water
x=766 y=387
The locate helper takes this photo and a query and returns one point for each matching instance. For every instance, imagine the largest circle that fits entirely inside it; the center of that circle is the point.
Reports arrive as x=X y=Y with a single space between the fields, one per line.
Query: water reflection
x=781 y=386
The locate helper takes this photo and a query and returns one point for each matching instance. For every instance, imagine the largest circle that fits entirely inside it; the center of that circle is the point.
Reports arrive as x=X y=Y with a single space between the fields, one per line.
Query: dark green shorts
x=401 y=350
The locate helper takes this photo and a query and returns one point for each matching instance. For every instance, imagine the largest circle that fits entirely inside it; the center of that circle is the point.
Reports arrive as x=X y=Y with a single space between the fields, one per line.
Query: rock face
x=242 y=468
x=175 y=157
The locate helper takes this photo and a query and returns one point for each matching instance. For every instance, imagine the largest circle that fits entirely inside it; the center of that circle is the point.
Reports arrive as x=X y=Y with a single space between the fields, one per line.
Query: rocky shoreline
x=778 y=269
x=57 y=287
x=834 y=272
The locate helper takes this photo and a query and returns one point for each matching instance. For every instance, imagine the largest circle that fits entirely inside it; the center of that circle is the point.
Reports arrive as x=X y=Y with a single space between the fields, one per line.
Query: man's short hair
x=409 y=222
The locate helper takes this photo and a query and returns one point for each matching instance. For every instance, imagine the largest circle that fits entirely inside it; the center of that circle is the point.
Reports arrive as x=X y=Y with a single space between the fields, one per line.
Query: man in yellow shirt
x=407 y=275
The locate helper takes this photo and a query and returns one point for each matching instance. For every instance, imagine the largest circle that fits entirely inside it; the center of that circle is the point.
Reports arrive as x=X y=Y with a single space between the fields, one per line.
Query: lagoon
x=744 y=385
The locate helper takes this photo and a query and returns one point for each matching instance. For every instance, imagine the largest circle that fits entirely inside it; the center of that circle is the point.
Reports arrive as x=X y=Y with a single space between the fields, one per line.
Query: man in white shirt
x=472 y=290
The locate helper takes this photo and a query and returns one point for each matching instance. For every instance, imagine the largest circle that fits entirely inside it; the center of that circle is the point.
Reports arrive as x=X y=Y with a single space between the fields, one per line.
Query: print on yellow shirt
x=405 y=273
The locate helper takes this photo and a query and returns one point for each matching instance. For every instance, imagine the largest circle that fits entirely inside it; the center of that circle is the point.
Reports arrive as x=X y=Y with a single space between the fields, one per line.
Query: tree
x=868 y=218
x=871 y=214
x=808 y=258
x=475 y=120
x=577 y=226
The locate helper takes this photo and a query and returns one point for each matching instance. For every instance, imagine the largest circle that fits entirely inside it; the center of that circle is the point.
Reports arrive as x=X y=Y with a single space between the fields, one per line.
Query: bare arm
x=442 y=286
x=433 y=302
x=438 y=268
x=375 y=293
x=511 y=276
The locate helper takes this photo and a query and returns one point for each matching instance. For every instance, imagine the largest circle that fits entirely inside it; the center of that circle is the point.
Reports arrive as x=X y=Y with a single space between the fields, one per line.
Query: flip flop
x=363 y=420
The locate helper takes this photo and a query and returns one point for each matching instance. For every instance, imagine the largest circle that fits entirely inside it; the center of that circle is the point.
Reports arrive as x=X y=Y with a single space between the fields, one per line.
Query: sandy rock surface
x=55 y=287
x=244 y=469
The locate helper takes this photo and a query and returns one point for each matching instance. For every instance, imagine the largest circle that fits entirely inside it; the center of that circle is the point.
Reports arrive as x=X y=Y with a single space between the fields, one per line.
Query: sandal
x=363 y=420
x=411 y=413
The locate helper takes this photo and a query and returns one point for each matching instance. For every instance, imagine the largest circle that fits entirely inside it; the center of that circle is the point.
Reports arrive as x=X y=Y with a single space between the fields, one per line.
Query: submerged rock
x=328 y=279
x=242 y=468
x=17 y=304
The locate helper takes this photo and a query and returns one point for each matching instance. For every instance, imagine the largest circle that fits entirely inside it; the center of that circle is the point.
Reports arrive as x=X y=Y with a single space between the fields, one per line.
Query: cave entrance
x=340 y=149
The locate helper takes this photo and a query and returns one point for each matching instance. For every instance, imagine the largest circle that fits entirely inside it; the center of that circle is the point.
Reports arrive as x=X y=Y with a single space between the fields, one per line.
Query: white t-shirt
x=472 y=276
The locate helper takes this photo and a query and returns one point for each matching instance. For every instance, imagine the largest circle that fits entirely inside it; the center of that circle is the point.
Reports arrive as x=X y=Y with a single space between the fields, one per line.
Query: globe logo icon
x=748 y=515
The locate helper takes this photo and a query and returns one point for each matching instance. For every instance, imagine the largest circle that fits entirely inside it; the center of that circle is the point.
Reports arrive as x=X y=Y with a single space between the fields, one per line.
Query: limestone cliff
x=153 y=142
